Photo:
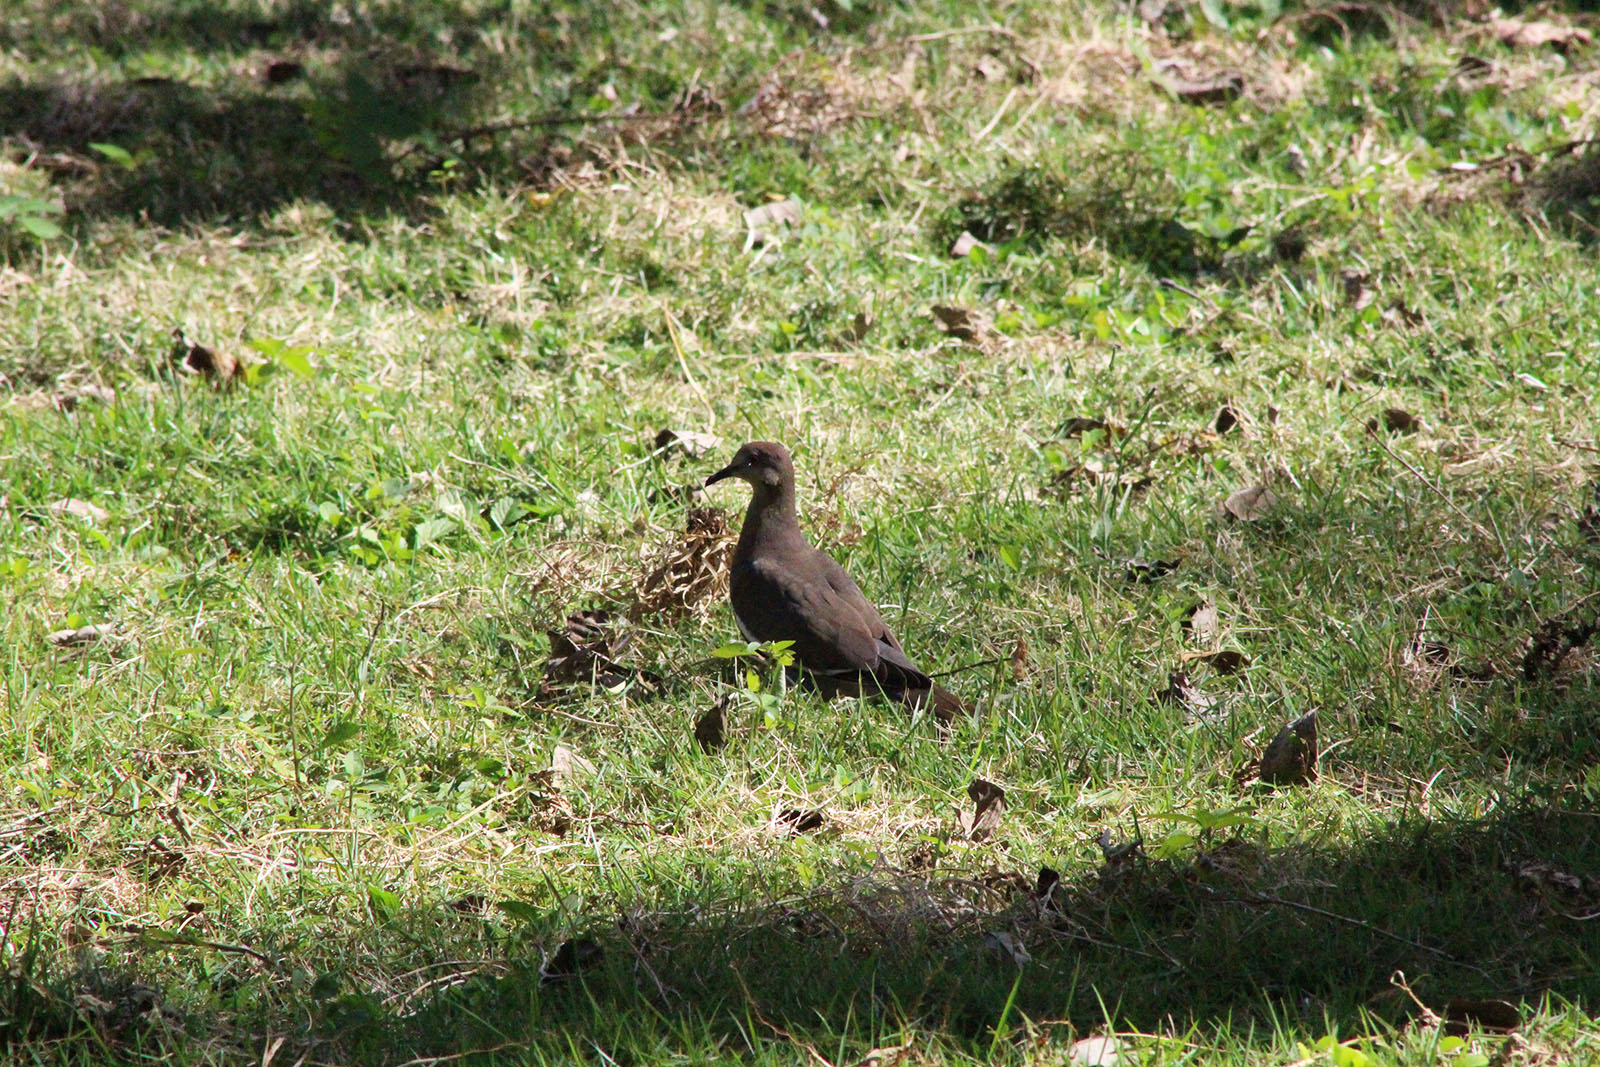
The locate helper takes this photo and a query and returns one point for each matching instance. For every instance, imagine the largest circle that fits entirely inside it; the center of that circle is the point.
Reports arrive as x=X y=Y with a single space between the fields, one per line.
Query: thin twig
x=1483 y=531
x=1348 y=920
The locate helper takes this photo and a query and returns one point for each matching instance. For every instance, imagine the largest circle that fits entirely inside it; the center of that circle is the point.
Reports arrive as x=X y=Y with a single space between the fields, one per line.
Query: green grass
x=300 y=806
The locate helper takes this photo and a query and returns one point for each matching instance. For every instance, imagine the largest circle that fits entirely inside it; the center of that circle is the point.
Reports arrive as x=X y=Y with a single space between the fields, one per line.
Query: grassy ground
x=311 y=794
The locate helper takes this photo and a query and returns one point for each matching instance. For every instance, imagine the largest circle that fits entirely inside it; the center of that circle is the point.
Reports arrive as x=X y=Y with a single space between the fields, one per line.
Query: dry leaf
x=1496 y=1016
x=587 y=651
x=1008 y=947
x=964 y=244
x=1096 y=1051
x=1227 y=419
x=691 y=443
x=1197 y=705
x=711 y=731
x=219 y=368
x=1519 y=34
x=1395 y=420
x=860 y=326
x=1248 y=505
x=81 y=509
x=565 y=764
x=1079 y=425
x=989 y=803
x=1356 y=292
x=1226 y=661
x=1019 y=659
x=989 y=68
x=1203 y=622
x=278 y=71
x=1291 y=756
x=962 y=323
x=83 y=635
x=801 y=822
x=764 y=223
x=1148 y=570
x=1216 y=89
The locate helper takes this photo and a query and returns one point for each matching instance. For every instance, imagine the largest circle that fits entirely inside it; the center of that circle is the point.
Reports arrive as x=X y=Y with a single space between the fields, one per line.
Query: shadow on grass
x=1227 y=940
x=355 y=110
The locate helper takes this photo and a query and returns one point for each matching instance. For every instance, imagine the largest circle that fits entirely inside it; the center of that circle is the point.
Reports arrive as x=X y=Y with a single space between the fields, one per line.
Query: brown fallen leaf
x=219 y=368
x=1148 y=570
x=961 y=323
x=586 y=651
x=1227 y=661
x=83 y=635
x=1097 y=1050
x=278 y=71
x=860 y=326
x=1395 y=420
x=1357 y=293
x=1495 y=1016
x=1008 y=947
x=1204 y=622
x=691 y=443
x=801 y=821
x=1227 y=419
x=1248 y=505
x=711 y=730
x=1291 y=756
x=1019 y=659
x=989 y=803
x=1517 y=33
x=80 y=509
x=1079 y=425
x=1196 y=704
x=1215 y=89
x=1044 y=887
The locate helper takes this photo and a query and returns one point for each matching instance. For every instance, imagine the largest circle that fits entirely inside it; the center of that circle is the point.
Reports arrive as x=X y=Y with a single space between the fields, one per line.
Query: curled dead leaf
x=1227 y=419
x=1248 y=505
x=1204 y=622
x=80 y=509
x=1008 y=947
x=83 y=635
x=1019 y=659
x=711 y=729
x=1291 y=756
x=801 y=821
x=220 y=368
x=1395 y=420
x=1517 y=33
x=989 y=803
x=964 y=324
x=690 y=443
x=1196 y=704
x=1226 y=661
